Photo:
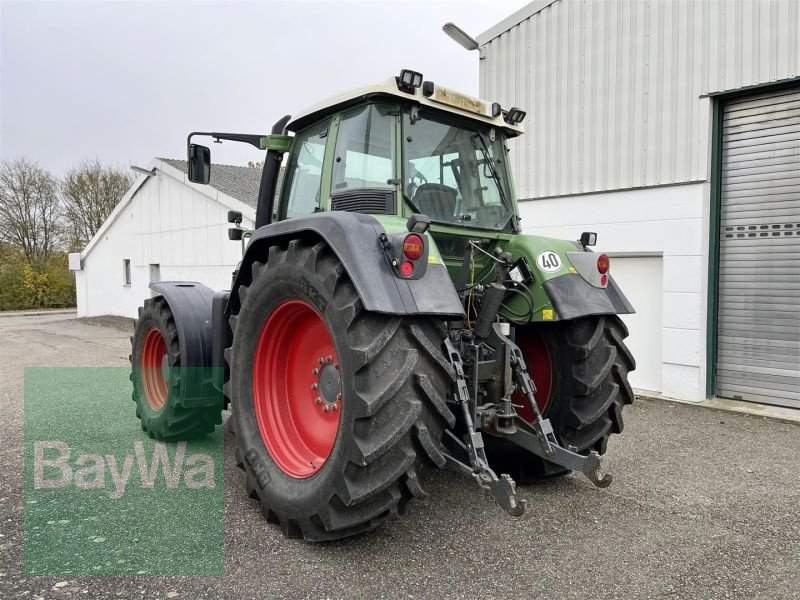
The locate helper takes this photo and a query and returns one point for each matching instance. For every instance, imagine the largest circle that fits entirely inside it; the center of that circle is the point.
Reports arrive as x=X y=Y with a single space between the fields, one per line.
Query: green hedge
x=24 y=286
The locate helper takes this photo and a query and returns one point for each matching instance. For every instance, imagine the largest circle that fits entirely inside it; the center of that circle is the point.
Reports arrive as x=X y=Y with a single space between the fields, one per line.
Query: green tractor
x=389 y=316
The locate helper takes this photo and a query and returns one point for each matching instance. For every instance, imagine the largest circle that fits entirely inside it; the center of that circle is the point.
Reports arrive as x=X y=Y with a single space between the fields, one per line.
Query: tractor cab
x=397 y=148
x=391 y=154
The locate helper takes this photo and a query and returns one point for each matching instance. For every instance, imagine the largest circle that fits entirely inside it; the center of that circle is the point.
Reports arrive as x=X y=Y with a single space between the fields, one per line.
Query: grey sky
x=124 y=82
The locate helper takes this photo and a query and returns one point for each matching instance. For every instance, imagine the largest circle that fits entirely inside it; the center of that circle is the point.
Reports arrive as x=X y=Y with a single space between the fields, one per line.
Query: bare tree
x=90 y=192
x=30 y=214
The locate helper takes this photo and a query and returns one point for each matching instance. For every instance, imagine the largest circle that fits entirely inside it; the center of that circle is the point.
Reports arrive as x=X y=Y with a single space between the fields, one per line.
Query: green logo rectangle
x=101 y=497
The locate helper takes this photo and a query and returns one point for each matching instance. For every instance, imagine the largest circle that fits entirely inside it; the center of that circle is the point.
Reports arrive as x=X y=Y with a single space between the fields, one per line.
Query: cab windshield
x=455 y=172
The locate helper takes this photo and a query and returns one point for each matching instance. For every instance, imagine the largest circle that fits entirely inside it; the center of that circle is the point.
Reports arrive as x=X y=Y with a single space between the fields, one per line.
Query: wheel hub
x=165 y=367
x=330 y=384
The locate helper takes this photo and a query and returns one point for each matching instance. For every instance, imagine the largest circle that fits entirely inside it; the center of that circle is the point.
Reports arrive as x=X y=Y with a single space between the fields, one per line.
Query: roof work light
x=409 y=81
x=515 y=115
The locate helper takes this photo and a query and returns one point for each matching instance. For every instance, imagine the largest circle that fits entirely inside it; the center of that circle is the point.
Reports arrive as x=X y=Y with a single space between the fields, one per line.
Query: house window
x=126 y=271
x=155 y=273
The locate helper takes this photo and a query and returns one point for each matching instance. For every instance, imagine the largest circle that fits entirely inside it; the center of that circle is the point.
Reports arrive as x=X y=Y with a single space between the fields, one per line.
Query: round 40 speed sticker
x=548 y=261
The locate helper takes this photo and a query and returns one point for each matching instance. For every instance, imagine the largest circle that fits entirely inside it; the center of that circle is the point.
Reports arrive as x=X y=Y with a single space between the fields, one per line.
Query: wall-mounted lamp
x=462 y=38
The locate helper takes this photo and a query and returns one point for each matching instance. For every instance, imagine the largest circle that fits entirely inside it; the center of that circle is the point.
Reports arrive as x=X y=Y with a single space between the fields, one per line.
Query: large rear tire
x=336 y=410
x=156 y=375
x=580 y=369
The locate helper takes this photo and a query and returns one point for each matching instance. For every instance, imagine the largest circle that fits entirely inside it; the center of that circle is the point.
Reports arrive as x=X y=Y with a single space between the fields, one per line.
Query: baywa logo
x=96 y=471
x=101 y=497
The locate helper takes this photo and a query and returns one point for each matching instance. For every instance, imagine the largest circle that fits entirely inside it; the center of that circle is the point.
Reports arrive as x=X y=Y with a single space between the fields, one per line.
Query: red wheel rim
x=537 y=359
x=154 y=382
x=297 y=389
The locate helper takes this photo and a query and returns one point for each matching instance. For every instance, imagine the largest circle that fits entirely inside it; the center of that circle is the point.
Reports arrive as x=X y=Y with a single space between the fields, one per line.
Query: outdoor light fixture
x=418 y=223
x=143 y=171
x=409 y=81
x=461 y=37
x=515 y=115
x=588 y=238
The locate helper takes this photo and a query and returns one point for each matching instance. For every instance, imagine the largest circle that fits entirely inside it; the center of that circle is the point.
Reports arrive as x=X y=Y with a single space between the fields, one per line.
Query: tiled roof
x=241 y=183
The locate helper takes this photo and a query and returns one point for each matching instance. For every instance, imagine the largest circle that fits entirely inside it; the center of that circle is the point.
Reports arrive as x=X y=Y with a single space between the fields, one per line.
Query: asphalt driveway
x=704 y=504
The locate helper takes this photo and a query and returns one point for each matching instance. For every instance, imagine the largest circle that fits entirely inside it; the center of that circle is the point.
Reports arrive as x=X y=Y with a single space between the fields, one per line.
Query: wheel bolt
x=318 y=400
x=329 y=358
x=335 y=407
x=325 y=409
x=314 y=386
x=315 y=371
x=339 y=396
x=320 y=360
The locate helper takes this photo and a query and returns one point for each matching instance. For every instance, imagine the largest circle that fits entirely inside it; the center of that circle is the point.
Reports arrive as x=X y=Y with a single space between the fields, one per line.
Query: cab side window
x=364 y=156
x=303 y=182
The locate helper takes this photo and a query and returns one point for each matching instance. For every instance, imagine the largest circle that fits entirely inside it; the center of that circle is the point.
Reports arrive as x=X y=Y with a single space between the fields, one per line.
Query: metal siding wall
x=613 y=88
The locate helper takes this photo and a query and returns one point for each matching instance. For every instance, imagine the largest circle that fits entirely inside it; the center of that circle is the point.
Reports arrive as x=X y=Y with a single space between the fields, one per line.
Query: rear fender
x=563 y=286
x=354 y=238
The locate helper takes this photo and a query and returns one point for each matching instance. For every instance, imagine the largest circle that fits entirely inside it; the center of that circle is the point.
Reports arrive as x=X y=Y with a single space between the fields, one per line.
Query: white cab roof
x=441 y=99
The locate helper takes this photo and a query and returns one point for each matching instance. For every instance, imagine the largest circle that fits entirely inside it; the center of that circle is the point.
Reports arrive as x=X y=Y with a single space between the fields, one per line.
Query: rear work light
x=413 y=247
x=603 y=264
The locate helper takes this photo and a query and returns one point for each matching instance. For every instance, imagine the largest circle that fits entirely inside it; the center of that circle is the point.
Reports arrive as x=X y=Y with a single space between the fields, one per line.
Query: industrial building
x=672 y=129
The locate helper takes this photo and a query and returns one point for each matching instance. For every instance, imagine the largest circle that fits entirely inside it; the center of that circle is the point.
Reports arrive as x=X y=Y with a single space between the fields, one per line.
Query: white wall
x=169 y=223
x=670 y=220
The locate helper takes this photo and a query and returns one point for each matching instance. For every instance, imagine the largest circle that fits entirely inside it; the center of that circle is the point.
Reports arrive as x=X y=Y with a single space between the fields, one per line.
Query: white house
x=672 y=129
x=165 y=228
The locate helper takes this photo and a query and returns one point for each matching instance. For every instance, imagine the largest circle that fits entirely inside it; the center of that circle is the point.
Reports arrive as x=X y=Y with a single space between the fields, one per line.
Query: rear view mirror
x=199 y=163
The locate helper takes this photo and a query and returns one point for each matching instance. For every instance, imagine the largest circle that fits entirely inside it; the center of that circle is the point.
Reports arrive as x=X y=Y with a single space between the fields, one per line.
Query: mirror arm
x=269 y=177
x=252 y=139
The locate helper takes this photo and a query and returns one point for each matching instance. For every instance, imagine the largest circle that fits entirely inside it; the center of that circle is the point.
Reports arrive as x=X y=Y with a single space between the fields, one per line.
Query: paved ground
x=704 y=504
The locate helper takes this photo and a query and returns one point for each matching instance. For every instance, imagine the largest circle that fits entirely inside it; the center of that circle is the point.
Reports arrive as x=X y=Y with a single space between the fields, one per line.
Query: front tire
x=157 y=378
x=303 y=342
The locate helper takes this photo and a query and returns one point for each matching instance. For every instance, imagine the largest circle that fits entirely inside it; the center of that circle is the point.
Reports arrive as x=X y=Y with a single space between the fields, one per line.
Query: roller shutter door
x=758 y=337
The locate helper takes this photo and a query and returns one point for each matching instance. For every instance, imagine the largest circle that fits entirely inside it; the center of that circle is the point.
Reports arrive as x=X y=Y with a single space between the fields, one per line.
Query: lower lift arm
x=502 y=421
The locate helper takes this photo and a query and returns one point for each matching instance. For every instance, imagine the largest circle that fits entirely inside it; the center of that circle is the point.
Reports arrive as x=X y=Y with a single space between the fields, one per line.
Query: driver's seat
x=436 y=200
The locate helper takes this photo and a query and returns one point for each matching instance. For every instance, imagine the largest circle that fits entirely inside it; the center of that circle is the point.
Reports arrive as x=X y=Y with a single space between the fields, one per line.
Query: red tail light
x=413 y=247
x=407 y=269
x=603 y=264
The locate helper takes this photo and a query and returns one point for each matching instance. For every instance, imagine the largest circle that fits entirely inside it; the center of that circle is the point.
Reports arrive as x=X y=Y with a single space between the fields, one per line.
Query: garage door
x=758 y=338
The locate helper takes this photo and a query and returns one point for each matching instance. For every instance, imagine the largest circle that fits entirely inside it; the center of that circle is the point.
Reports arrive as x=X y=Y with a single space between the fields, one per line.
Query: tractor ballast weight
x=388 y=314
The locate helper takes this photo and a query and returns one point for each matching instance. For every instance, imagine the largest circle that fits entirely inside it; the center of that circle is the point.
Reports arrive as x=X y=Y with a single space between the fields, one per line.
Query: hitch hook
x=504 y=491
x=592 y=471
